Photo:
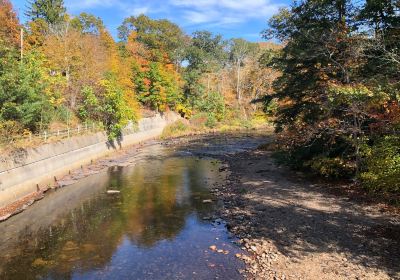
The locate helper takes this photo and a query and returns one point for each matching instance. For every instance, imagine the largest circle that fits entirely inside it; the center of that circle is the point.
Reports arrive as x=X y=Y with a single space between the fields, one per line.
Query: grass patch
x=178 y=128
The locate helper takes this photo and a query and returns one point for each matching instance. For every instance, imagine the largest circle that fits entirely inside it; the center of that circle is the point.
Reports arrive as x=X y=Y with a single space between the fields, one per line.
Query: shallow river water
x=160 y=225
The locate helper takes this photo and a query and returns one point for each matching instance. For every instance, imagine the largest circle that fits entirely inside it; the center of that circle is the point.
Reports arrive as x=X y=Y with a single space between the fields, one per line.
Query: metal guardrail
x=44 y=136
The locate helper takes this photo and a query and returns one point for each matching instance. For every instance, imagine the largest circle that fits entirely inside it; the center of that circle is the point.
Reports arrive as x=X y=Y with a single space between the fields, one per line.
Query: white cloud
x=223 y=12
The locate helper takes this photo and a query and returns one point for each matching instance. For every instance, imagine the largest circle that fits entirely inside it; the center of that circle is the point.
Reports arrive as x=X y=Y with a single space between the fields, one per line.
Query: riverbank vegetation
x=336 y=103
x=58 y=70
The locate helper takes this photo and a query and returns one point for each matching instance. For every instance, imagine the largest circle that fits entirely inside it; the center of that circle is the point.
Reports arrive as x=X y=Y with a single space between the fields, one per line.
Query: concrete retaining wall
x=23 y=170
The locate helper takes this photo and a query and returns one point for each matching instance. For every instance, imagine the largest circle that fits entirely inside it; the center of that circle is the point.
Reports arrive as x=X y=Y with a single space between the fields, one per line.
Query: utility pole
x=22 y=43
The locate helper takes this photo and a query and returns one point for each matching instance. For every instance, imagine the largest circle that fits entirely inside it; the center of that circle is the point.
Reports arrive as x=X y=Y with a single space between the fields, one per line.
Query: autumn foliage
x=337 y=101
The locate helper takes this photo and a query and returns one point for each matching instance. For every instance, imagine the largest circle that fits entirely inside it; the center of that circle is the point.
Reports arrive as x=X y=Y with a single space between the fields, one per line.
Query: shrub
x=333 y=168
x=212 y=103
x=9 y=130
x=175 y=129
x=211 y=121
x=382 y=166
x=199 y=120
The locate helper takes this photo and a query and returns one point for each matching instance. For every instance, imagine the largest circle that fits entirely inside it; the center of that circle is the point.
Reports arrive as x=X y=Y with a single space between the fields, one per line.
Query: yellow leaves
x=323 y=76
x=63 y=50
x=318 y=66
x=350 y=89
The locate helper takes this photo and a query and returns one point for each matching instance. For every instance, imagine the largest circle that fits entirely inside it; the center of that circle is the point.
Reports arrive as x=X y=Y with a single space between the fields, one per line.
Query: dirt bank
x=295 y=229
x=298 y=230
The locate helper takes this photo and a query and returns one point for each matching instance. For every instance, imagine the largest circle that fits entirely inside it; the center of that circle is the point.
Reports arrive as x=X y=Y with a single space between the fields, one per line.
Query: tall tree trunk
x=238 y=83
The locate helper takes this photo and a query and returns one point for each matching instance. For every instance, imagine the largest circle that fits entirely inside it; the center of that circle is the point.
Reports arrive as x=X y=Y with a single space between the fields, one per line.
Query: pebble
x=113 y=191
x=213 y=248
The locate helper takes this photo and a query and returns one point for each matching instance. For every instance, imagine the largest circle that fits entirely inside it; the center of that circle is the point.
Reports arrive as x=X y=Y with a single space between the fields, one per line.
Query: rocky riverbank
x=293 y=229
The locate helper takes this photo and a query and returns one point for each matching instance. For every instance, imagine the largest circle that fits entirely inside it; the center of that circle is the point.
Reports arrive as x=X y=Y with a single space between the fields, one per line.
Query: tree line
x=331 y=86
x=59 y=69
x=336 y=102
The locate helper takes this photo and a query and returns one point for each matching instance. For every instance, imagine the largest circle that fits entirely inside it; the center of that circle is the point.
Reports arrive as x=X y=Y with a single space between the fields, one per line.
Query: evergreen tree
x=52 y=11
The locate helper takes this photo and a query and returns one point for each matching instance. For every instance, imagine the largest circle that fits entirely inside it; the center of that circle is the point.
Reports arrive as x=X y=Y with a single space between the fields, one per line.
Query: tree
x=321 y=51
x=338 y=93
x=52 y=11
x=382 y=47
x=158 y=86
x=24 y=90
x=159 y=36
x=9 y=27
x=88 y=24
x=115 y=113
x=240 y=51
x=206 y=55
x=62 y=48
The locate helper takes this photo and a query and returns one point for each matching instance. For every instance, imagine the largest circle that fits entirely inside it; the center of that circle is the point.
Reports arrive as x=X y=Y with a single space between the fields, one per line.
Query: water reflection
x=152 y=229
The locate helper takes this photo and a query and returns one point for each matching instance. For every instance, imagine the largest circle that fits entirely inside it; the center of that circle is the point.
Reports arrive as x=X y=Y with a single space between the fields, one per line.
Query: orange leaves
x=9 y=24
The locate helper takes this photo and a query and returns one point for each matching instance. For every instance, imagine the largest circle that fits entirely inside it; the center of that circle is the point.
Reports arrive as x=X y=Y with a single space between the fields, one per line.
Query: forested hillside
x=58 y=70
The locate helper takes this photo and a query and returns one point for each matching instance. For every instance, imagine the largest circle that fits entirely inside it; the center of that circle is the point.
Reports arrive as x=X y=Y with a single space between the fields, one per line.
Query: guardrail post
x=45 y=136
x=58 y=132
x=79 y=127
x=68 y=132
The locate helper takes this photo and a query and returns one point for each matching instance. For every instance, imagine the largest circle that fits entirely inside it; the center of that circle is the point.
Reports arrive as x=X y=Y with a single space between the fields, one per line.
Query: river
x=160 y=225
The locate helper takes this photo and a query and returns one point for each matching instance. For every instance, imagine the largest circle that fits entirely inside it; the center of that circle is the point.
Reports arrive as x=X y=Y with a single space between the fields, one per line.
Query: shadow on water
x=152 y=229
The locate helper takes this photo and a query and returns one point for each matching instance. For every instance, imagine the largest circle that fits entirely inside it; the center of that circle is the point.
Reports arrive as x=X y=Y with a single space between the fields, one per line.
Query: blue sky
x=231 y=18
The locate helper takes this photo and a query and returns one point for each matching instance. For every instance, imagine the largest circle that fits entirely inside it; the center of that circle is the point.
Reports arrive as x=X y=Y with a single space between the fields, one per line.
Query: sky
x=230 y=18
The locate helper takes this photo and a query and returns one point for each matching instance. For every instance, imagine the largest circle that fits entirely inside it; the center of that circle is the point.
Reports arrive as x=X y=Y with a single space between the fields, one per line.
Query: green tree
x=160 y=36
x=114 y=110
x=23 y=87
x=337 y=97
x=205 y=55
x=52 y=11
x=214 y=104
x=158 y=87
x=88 y=24
x=321 y=50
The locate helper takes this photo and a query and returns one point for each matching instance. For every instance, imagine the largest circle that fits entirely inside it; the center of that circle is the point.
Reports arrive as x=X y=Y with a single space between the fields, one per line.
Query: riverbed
x=159 y=222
